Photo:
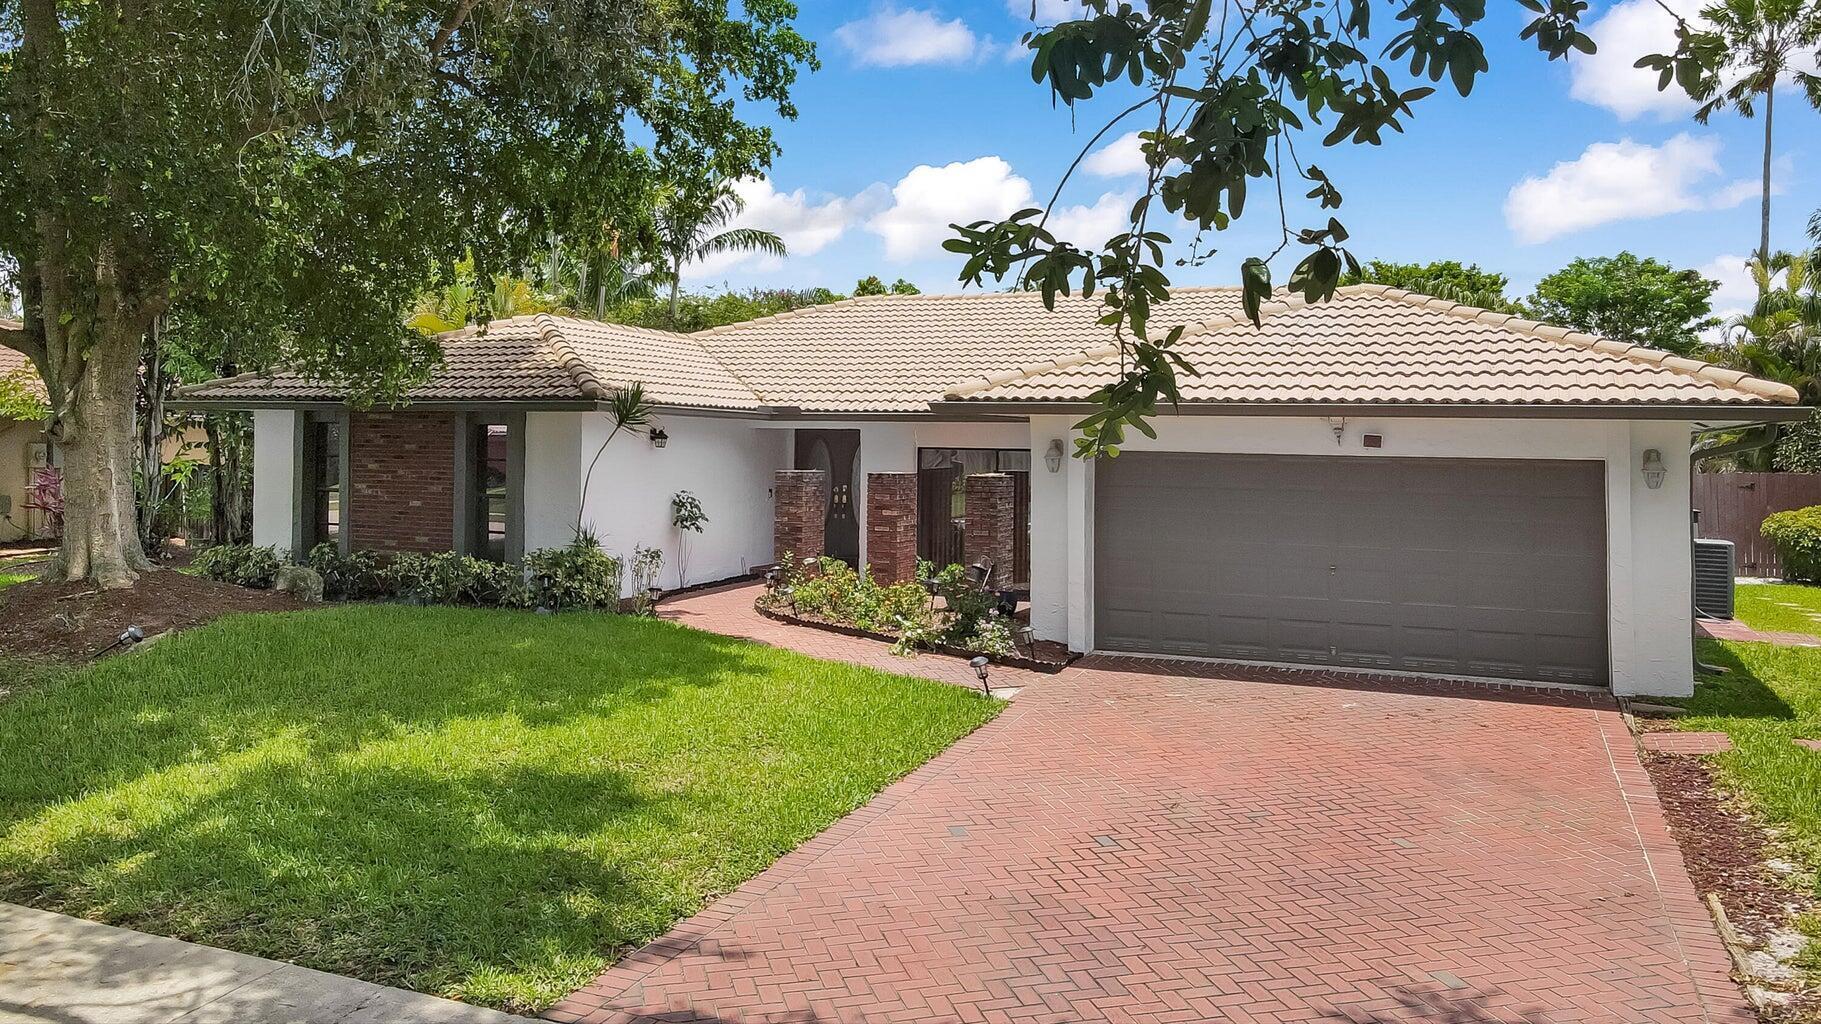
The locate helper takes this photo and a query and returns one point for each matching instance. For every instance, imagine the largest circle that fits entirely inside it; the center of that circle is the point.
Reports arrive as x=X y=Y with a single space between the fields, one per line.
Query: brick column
x=800 y=510
x=891 y=526
x=987 y=499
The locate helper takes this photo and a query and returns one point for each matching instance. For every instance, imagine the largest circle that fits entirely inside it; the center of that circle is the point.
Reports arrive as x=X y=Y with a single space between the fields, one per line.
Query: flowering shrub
x=828 y=589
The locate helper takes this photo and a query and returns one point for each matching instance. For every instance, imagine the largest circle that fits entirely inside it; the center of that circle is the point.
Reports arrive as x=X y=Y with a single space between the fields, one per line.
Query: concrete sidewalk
x=63 y=970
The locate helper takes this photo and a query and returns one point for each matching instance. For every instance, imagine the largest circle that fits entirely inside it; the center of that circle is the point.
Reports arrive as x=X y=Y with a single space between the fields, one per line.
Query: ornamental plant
x=1797 y=535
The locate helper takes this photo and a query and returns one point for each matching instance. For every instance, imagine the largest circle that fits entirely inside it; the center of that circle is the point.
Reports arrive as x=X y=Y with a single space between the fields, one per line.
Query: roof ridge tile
x=569 y=359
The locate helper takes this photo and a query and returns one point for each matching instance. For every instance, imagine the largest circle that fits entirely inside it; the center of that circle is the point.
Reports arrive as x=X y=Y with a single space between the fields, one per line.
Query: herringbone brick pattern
x=1126 y=846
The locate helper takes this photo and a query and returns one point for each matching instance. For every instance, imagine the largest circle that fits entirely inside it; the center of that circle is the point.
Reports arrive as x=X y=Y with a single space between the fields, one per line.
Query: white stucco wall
x=274 y=460
x=1648 y=554
x=553 y=477
x=726 y=462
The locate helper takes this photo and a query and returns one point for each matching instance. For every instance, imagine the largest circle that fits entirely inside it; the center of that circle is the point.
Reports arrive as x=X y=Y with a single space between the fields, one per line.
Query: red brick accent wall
x=402 y=470
x=891 y=526
x=987 y=502
x=800 y=510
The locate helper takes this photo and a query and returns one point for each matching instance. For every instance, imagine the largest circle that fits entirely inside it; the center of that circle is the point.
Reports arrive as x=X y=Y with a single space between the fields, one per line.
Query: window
x=489 y=448
x=323 y=456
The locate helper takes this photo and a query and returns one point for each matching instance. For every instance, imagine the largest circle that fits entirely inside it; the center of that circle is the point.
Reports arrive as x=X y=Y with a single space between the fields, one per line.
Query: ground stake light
x=979 y=662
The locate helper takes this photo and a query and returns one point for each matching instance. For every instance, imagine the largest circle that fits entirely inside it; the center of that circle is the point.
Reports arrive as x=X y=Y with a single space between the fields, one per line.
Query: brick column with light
x=891 y=526
x=800 y=510
x=988 y=537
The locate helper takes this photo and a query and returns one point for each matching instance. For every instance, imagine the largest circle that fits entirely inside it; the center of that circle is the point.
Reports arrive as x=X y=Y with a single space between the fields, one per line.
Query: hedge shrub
x=1797 y=535
x=449 y=578
x=354 y=576
x=579 y=575
x=240 y=564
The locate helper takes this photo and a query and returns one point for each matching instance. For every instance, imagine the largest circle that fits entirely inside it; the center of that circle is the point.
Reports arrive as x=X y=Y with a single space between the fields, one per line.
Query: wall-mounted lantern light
x=1654 y=470
x=1053 y=457
x=659 y=438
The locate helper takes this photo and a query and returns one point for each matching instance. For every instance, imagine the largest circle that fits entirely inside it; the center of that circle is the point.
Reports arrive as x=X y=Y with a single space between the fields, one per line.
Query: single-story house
x=24 y=449
x=1383 y=482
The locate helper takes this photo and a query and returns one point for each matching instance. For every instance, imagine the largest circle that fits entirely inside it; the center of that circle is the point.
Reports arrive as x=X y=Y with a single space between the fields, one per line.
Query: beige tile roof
x=13 y=361
x=900 y=353
x=530 y=359
x=1378 y=345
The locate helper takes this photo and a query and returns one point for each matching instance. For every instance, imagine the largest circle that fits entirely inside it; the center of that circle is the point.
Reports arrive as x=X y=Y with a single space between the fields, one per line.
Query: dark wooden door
x=837 y=453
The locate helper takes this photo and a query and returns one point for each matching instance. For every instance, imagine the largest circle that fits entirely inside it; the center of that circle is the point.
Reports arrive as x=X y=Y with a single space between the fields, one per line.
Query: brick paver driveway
x=1133 y=846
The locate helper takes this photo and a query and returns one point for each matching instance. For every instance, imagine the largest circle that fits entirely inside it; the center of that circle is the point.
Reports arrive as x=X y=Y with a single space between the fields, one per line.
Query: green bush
x=828 y=588
x=449 y=578
x=240 y=564
x=969 y=607
x=579 y=575
x=1797 y=535
x=354 y=576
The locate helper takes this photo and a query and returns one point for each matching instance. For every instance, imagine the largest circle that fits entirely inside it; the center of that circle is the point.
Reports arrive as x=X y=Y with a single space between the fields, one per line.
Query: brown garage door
x=1454 y=566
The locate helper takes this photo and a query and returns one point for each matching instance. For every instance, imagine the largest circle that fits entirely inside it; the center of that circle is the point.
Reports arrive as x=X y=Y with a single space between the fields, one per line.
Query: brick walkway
x=1733 y=629
x=1122 y=845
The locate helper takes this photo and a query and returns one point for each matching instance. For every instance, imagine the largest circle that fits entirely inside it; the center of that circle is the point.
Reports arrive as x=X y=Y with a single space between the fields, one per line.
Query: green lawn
x=7 y=579
x=1760 y=606
x=480 y=804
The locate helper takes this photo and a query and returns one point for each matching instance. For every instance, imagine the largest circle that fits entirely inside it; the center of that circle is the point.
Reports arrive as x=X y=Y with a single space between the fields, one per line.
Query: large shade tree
x=1230 y=96
x=293 y=175
x=1627 y=298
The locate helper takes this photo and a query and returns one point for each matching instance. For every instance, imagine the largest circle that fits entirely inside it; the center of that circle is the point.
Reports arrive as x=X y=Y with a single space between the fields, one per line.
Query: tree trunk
x=676 y=281
x=100 y=535
x=1770 y=101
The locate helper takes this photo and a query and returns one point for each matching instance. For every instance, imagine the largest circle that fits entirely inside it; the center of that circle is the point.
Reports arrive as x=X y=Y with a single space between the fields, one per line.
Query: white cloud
x=1736 y=287
x=892 y=37
x=1622 y=180
x=1120 y=158
x=806 y=226
x=1627 y=31
x=928 y=199
x=1091 y=226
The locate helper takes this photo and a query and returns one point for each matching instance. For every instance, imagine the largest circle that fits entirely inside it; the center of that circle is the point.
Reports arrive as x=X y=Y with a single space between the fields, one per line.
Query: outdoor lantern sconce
x=1053 y=457
x=1654 y=470
x=659 y=438
x=979 y=662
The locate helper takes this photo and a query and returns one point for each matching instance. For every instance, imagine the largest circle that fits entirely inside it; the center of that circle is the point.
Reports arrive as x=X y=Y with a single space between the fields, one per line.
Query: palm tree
x=1750 y=43
x=693 y=226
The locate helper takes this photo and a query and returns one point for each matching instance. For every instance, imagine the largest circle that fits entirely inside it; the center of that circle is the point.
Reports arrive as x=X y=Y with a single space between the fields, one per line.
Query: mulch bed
x=62 y=621
x=1727 y=851
x=1045 y=656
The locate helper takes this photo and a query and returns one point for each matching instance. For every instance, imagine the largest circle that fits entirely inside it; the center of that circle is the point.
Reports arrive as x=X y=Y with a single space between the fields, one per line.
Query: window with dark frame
x=489 y=450
x=325 y=481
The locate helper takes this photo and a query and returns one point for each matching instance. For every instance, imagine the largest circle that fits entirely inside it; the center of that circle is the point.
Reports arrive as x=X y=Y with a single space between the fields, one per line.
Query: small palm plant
x=693 y=226
x=687 y=516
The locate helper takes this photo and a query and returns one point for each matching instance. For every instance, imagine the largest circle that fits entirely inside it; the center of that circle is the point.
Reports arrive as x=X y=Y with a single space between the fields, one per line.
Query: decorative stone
x=300 y=581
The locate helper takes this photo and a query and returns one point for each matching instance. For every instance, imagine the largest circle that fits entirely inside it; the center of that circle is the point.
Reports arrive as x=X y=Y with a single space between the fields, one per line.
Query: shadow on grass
x=1736 y=693
x=478 y=804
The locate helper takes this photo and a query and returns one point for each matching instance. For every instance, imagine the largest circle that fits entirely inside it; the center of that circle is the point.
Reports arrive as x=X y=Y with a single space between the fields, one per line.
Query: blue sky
x=921 y=115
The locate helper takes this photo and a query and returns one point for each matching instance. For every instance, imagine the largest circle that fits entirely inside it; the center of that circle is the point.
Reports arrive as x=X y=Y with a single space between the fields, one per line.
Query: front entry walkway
x=1127 y=846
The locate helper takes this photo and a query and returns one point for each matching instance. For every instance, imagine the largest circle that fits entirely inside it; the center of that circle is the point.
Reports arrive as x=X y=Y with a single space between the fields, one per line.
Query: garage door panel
x=1422 y=565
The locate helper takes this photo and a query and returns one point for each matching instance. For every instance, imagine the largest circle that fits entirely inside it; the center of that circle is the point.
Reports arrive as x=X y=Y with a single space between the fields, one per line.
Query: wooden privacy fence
x=1733 y=507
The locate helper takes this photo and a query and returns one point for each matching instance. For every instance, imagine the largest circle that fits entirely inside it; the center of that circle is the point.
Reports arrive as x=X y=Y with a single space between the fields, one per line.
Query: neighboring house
x=1381 y=482
x=23 y=449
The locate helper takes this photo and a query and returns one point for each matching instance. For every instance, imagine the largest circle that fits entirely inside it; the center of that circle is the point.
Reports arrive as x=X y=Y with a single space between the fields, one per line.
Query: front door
x=837 y=453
